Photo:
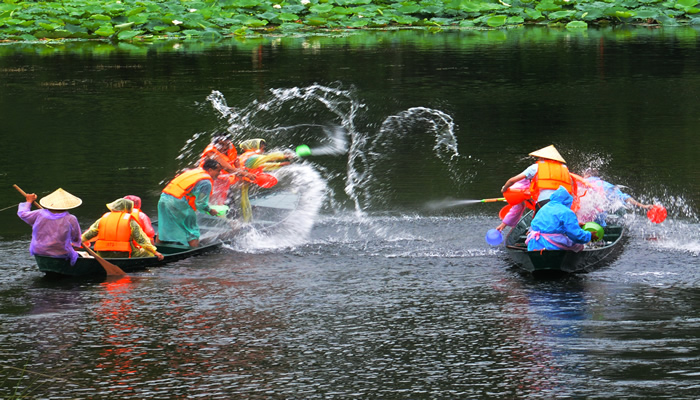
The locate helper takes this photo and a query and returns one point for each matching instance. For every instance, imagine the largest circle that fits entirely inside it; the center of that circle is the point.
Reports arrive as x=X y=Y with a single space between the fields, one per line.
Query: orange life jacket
x=182 y=185
x=550 y=175
x=243 y=158
x=114 y=232
x=210 y=151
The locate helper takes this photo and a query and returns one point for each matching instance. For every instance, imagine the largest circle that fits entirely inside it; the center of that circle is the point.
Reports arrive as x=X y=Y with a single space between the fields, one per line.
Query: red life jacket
x=182 y=185
x=550 y=175
x=114 y=232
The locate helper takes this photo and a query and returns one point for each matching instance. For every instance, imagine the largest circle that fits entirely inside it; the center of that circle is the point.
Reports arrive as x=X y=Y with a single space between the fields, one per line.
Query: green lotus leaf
x=321 y=8
x=577 y=25
x=128 y=35
x=548 y=5
x=358 y=23
x=255 y=23
x=533 y=14
x=291 y=27
x=105 y=30
x=316 y=21
x=342 y=11
x=686 y=3
x=409 y=9
x=288 y=17
x=646 y=13
x=557 y=15
x=495 y=21
x=101 y=17
x=515 y=20
x=405 y=19
x=138 y=19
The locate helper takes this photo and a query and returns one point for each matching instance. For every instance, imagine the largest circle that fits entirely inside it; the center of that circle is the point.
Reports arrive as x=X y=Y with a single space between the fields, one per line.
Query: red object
x=657 y=214
x=516 y=196
x=265 y=180
x=504 y=211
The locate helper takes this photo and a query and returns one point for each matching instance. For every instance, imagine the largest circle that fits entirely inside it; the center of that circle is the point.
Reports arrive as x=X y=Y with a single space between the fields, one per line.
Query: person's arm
x=511 y=181
x=91 y=232
x=634 y=202
x=140 y=237
x=201 y=191
x=75 y=235
x=573 y=229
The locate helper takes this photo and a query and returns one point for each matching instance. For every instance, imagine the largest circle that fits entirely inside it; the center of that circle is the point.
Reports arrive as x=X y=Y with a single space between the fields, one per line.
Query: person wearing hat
x=117 y=234
x=186 y=194
x=141 y=217
x=546 y=175
x=54 y=230
x=223 y=151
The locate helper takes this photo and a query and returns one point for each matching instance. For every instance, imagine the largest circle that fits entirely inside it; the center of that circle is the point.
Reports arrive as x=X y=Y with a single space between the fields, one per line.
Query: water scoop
x=494 y=237
x=221 y=210
x=594 y=227
x=303 y=150
x=657 y=214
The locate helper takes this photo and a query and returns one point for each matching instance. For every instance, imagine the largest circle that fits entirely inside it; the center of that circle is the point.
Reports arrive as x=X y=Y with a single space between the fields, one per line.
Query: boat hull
x=594 y=255
x=88 y=266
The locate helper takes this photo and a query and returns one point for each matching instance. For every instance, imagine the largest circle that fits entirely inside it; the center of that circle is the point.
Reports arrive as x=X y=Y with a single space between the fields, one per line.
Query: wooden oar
x=110 y=269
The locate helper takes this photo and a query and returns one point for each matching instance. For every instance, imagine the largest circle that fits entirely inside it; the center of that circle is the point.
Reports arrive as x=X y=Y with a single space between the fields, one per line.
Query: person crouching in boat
x=186 y=194
x=141 y=217
x=117 y=234
x=224 y=152
x=546 y=175
x=613 y=198
x=555 y=226
x=54 y=230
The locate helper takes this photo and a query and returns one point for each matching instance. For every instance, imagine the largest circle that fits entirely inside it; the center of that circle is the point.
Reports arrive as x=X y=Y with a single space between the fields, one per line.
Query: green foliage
x=133 y=20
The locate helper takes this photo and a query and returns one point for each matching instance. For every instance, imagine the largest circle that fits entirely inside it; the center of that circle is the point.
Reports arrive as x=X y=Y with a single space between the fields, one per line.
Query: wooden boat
x=593 y=256
x=88 y=266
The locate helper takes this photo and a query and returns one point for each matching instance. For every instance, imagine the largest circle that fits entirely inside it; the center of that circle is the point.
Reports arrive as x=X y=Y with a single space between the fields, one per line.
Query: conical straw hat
x=549 y=153
x=60 y=200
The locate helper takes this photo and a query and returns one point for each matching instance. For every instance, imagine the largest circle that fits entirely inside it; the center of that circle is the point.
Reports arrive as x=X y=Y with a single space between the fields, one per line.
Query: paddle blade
x=657 y=214
x=110 y=269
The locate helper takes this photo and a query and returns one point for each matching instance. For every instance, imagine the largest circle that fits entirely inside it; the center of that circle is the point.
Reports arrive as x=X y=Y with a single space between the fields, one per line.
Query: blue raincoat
x=555 y=226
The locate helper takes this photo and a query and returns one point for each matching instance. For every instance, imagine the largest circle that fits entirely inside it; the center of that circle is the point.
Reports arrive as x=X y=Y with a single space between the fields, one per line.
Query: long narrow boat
x=593 y=256
x=88 y=266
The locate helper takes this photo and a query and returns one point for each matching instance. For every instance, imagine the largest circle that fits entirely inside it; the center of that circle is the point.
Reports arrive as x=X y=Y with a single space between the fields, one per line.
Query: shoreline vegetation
x=146 y=20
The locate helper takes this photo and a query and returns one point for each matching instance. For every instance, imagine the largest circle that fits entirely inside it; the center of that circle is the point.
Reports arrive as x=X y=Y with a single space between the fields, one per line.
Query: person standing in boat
x=117 y=234
x=546 y=175
x=186 y=194
x=143 y=220
x=555 y=226
x=54 y=230
x=222 y=150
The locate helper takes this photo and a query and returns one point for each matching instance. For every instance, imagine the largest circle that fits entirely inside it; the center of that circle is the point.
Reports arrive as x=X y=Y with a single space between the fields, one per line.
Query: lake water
x=364 y=291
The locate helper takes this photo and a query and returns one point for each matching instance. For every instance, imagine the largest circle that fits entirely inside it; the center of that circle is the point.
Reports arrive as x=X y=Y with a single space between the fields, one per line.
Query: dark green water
x=381 y=298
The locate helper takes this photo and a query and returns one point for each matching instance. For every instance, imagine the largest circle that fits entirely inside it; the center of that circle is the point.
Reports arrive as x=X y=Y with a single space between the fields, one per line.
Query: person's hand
x=30 y=197
x=291 y=155
x=213 y=212
x=647 y=206
x=160 y=256
x=594 y=236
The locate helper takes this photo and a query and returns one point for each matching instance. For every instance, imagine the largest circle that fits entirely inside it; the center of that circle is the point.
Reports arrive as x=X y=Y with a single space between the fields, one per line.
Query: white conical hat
x=549 y=153
x=60 y=200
